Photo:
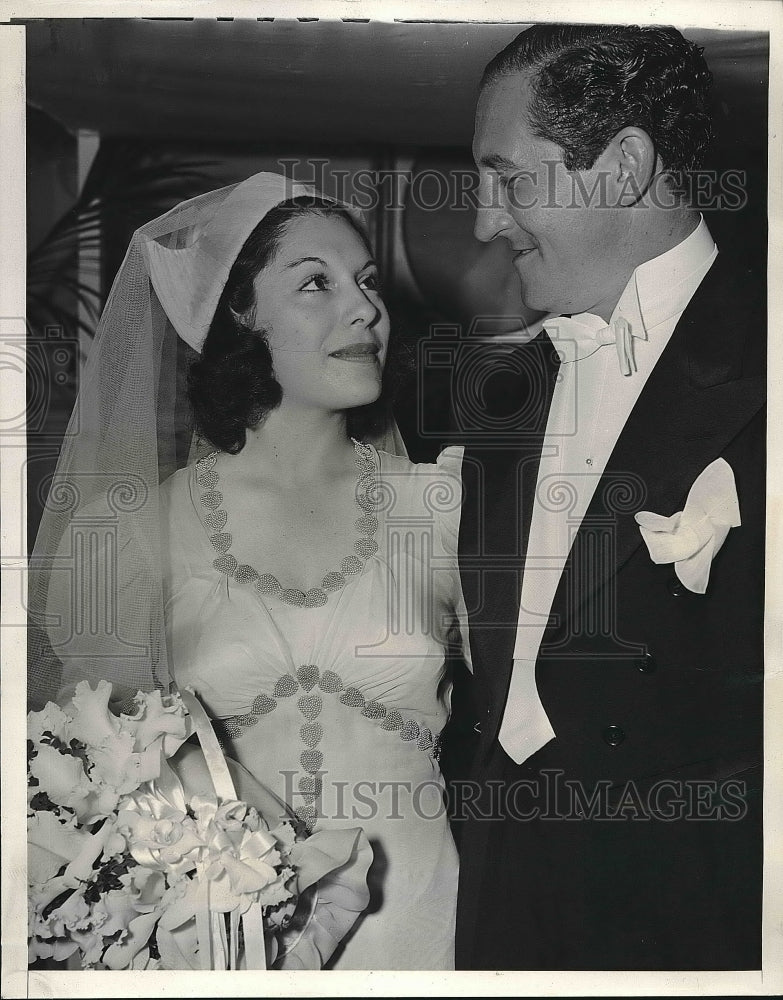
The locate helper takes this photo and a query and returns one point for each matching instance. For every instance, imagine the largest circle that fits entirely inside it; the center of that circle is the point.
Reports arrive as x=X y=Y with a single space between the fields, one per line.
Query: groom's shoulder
x=727 y=316
x=737 y=280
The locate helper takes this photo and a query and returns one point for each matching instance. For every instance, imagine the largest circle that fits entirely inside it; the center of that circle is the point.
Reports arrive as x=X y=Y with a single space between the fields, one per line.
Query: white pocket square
x=692 y=537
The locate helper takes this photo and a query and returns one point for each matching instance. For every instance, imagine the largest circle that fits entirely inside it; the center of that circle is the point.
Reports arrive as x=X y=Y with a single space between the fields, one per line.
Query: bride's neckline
x=267 y=584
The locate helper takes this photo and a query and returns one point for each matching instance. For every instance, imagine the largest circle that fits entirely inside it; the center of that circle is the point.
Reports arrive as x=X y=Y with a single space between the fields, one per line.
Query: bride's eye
x=371 y=282
x=315 y=283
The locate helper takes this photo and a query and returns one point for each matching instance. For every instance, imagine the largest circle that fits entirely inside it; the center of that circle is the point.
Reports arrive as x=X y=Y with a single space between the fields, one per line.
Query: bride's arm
x=449 y=465
x=99 y=608
x=191 y=768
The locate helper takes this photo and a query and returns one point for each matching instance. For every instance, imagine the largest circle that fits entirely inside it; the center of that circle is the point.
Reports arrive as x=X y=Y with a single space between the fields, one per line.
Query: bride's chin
x=359 y=402
x=360 y=395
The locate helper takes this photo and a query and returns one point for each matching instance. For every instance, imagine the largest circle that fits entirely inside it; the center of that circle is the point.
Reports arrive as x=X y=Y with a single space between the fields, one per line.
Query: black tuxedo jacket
x=640 y=677
x=627 y=645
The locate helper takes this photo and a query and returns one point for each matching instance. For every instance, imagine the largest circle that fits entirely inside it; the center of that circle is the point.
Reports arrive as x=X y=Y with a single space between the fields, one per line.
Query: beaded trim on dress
x=366 y=524
x=310 y=704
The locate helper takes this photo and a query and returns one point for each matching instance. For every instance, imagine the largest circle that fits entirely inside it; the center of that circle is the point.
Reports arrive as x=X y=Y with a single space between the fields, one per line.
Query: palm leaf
x=128 y=184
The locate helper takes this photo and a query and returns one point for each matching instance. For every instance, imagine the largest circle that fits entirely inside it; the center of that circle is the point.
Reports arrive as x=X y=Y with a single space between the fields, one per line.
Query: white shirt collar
x=661 y=287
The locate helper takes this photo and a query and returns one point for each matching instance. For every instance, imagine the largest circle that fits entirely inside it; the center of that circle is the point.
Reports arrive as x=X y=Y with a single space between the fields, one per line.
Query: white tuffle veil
x=95 y=594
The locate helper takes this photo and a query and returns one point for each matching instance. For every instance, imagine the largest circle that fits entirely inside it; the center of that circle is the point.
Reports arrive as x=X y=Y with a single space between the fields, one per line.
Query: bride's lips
x=361 y=353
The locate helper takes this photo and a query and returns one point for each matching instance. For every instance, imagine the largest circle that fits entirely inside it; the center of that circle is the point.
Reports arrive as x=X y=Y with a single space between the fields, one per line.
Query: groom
x=613 y=819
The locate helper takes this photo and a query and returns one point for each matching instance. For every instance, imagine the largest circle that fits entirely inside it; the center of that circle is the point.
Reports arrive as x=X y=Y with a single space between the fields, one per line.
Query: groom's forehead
x=506 y=98
x=501 y=128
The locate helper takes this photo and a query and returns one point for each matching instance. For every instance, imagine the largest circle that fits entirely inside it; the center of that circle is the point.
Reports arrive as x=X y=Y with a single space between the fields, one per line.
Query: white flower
x=51 y=719
x=122 y=954
x=61 y=776
x=91 y=720
x=158 y=833
x=116 y=764
x=131 y=914
x=101 y=844
x=189 y=852
x=74 y=912
x=51 y=843
x=100 y=803
x=176 y=933
x=43 y=945
x=110 y=747
x=121 y=753
x=64 y=930
x=160 y=722
x=236 y=816
x=142 y=892
x=91 y=944
x=145 y=887
x=143 y=963
x=285 y=835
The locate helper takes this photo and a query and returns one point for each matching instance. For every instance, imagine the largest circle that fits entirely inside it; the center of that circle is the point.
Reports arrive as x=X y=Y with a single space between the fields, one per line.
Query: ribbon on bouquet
x=215 y=951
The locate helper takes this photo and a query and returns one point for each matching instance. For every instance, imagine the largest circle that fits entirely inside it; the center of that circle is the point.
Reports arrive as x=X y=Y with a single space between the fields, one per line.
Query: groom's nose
x=492 y=216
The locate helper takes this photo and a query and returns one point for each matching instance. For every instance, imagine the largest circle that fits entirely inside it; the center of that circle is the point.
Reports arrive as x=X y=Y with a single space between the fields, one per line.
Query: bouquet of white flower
x=130 y=871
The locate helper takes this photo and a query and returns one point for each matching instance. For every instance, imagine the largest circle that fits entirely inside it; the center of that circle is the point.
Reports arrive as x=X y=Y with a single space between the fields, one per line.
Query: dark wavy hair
x=232 y=386
x=590 y=81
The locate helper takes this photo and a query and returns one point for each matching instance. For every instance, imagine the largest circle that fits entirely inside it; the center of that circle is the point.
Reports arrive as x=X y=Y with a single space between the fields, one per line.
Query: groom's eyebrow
x=496 y=162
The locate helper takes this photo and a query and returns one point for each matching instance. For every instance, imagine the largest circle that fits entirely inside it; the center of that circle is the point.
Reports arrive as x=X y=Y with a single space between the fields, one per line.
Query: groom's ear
x=631 y=163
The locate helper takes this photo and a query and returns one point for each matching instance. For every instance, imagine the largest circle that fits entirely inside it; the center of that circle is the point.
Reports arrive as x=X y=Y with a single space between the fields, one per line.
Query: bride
x=298 y=573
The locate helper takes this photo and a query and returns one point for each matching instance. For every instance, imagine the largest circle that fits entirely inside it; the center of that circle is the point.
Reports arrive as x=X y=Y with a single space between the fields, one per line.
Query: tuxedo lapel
x=499 y=480
x=707 y=385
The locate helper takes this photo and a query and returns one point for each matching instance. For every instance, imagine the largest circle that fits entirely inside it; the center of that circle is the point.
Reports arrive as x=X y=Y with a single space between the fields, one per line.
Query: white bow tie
x=588 y=332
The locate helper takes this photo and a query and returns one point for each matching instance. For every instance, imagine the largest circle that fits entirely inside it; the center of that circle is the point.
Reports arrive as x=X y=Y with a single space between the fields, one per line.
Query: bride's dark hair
x=232 y=386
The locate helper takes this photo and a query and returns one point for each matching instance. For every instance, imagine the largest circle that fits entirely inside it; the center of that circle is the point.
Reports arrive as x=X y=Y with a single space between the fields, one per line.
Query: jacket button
x=613 y=736
x=646 y=664
x=676 y=587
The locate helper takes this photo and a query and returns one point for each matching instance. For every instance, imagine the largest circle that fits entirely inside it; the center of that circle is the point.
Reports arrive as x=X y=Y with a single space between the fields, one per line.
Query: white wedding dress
x=337 y=706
